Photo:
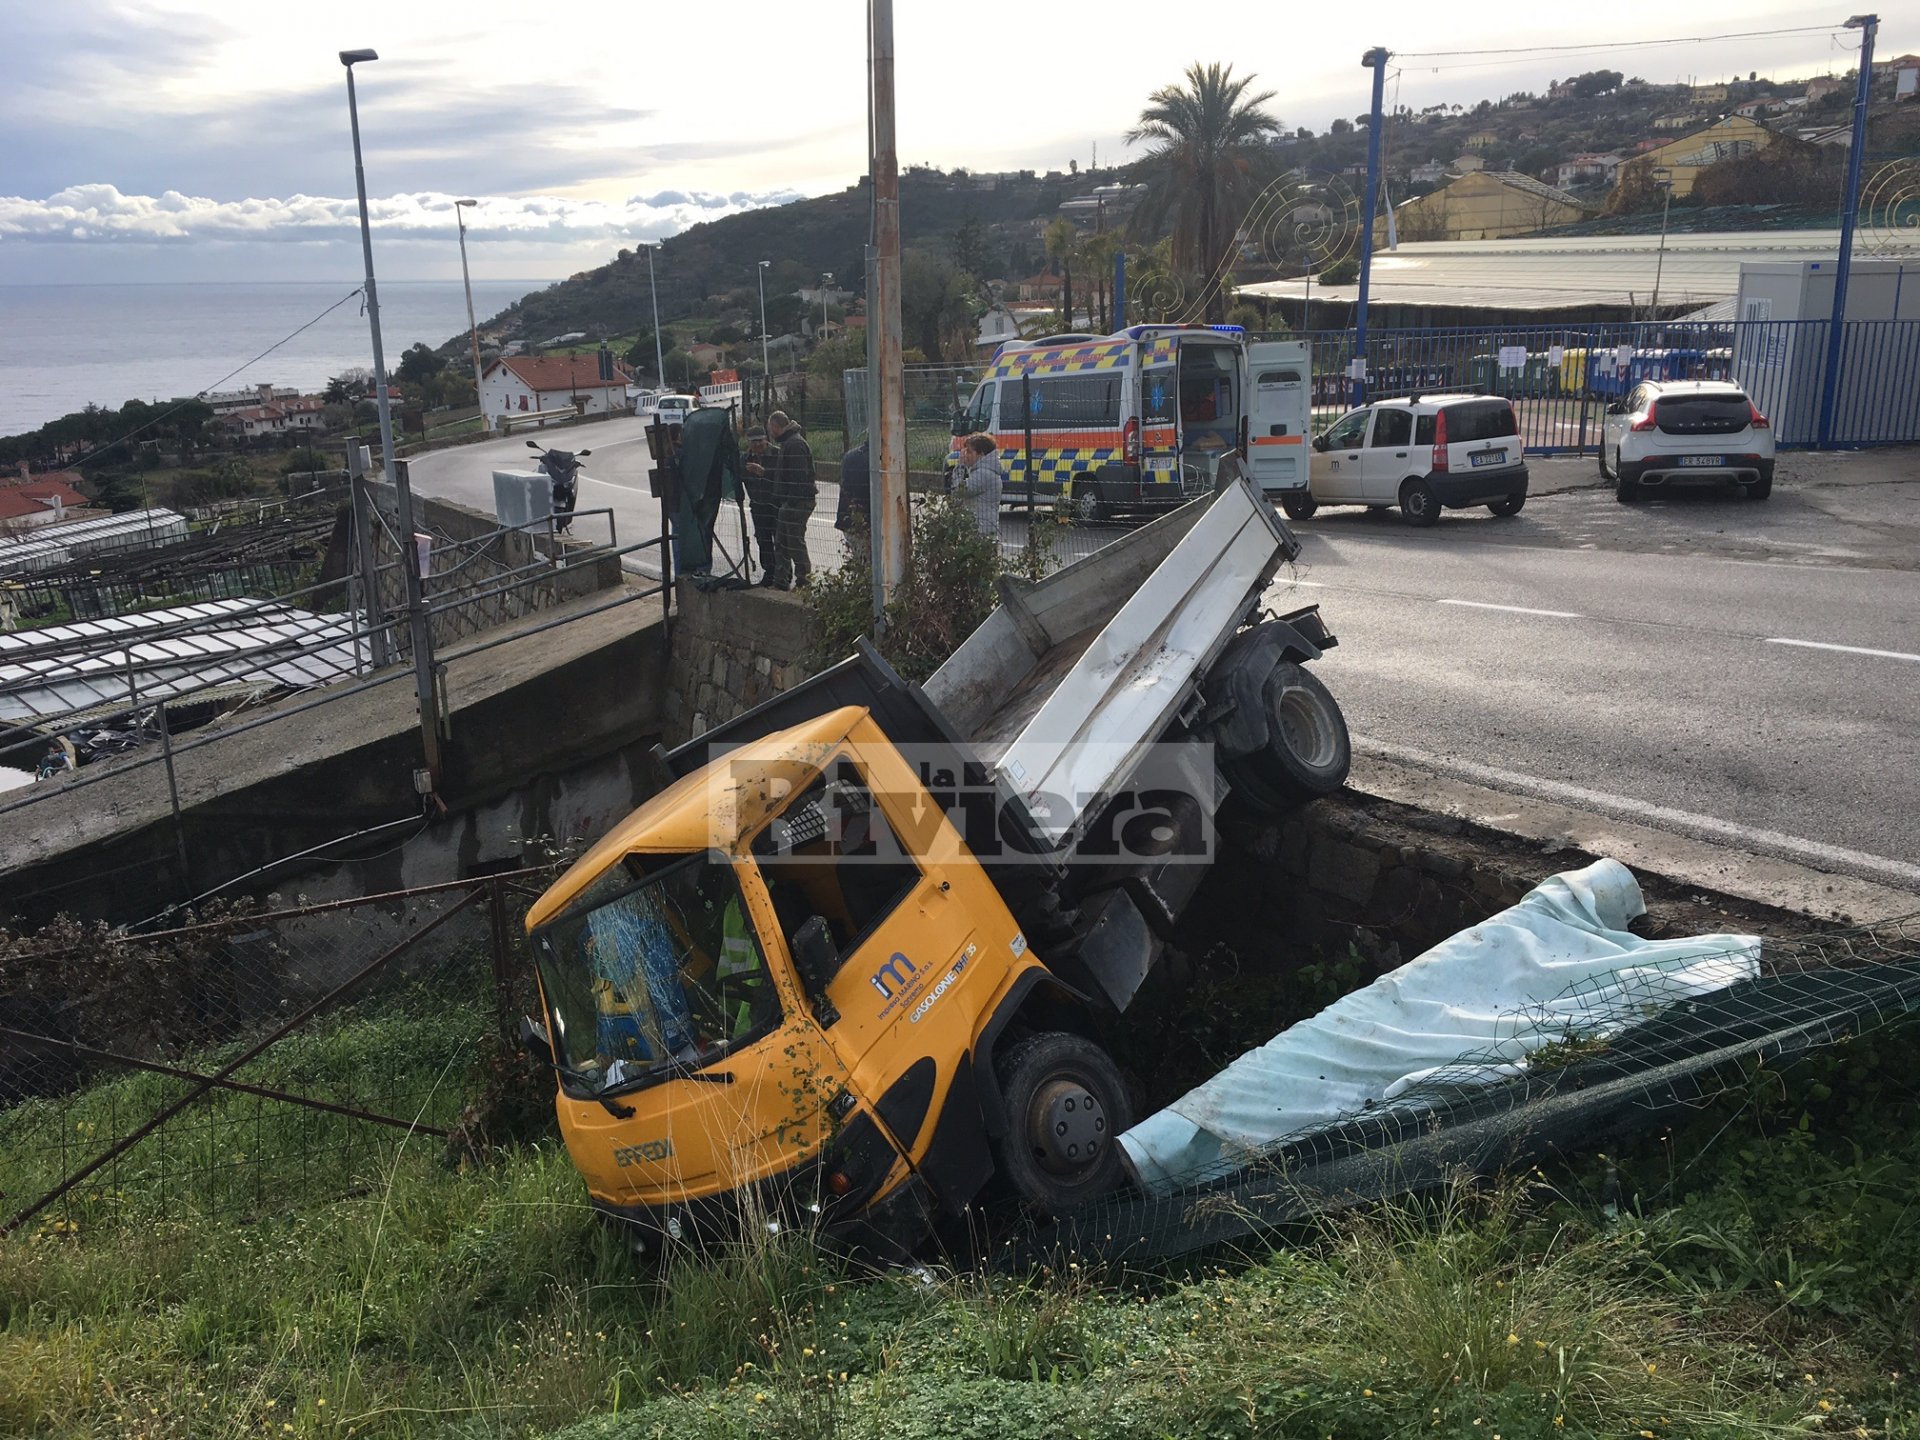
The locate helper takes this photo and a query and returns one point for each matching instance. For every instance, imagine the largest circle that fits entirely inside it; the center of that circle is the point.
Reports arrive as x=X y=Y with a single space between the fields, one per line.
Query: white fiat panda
x=1424 y=453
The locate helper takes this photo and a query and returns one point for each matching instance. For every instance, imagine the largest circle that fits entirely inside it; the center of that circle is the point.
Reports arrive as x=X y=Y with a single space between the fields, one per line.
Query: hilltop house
x=299 y=415
x=1487 y=206
x=522 y=384
x=1587 y=170
x=1822 y=86
x=28 y=501
x=1483 y=139
x=1727 y=139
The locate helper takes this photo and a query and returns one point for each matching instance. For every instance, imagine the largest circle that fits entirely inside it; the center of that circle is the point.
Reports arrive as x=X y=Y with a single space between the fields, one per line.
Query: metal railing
x=322 y=643
x=1561 y=378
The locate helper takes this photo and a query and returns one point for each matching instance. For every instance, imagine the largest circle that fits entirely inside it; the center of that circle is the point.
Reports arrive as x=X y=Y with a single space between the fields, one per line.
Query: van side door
x=1337 y=456
x=1278 y=415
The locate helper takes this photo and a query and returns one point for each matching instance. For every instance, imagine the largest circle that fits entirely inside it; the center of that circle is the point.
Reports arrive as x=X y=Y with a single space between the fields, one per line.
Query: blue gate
x=1561 y=378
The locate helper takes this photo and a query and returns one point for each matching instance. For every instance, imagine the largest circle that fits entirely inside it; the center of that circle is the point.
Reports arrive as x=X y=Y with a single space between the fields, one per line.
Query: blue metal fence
x=1562 y=377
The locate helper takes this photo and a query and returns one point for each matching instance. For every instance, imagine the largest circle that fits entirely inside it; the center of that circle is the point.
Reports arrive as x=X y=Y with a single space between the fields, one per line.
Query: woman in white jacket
x=977 y=482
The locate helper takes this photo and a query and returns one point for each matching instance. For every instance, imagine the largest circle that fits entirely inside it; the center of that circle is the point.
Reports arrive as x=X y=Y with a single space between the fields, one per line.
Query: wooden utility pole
x=889 y=449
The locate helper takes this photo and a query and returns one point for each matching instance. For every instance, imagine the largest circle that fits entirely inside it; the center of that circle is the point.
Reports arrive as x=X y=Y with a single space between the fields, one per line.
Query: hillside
x=700 y=268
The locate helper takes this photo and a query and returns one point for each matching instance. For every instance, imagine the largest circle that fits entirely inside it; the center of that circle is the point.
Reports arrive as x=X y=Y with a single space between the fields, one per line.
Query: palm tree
x=1063 y=242
x=1207 y=163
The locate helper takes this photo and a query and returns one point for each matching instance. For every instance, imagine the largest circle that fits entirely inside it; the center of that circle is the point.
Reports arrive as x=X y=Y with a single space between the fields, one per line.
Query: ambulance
x=1141 y=420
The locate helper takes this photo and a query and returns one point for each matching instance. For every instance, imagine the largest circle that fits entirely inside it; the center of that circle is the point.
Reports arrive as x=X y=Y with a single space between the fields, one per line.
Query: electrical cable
x=199 y=395
x=1612 y=44
x=312 y=850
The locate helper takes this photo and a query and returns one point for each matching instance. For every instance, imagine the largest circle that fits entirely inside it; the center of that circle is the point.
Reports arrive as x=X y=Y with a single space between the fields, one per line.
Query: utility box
x=521 y=497
x=1780 y=348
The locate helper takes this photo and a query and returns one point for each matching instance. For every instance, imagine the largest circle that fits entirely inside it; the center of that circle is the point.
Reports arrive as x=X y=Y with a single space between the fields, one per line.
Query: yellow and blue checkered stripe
x=1061 y=359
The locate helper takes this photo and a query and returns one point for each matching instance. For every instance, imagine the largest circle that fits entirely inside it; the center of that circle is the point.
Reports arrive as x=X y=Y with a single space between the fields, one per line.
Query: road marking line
x=1624 y=808
x=1847 y=649
x=1514 y=609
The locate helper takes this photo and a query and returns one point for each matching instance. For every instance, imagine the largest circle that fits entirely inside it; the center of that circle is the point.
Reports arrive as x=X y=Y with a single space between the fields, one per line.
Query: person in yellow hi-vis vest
x=739 y=971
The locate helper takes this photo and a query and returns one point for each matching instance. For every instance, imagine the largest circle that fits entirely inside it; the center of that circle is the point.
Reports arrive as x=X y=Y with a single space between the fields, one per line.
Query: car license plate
x=1490 y=457
x=1162 y=462
x=1708 y=462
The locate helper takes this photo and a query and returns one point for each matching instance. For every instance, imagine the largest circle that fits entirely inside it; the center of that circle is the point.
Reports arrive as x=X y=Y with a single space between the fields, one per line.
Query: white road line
x=1514 y=609
x=1847 y=649
x=1625 y=808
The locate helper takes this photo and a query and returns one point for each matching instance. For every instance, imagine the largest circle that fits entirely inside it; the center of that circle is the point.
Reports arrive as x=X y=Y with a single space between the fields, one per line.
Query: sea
x=63 y=346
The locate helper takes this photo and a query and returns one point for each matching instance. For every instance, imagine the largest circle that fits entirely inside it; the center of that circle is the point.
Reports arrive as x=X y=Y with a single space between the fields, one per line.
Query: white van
x=1140 y=420
x=673 y=409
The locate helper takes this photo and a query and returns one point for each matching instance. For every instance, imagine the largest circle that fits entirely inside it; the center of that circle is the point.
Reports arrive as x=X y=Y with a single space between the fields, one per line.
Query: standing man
x=856 y=486
x=763 y=497
x=792 y=567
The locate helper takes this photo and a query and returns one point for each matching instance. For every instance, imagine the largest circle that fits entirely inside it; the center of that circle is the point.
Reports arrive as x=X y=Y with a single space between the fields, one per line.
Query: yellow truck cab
x=1140 y=420
x=854 y=959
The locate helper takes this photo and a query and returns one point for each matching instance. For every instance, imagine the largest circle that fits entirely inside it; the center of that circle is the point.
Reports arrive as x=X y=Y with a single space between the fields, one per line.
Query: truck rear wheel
x=1065 y=1106
x=1308 y=749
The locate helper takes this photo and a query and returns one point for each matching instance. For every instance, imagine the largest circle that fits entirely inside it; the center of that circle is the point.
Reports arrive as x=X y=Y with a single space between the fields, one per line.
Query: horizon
x=138 y=156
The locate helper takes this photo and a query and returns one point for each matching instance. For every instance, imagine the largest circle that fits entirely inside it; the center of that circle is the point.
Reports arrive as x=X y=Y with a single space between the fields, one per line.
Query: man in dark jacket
x=856 y=487
x=792 y=567
x=763 y=497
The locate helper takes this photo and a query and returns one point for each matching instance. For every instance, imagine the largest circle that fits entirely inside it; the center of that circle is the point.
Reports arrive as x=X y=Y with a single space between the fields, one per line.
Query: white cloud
x=93 y=214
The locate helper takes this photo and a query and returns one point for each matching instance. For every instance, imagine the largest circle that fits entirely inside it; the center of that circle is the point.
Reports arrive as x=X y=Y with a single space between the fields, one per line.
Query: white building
x=523 y=385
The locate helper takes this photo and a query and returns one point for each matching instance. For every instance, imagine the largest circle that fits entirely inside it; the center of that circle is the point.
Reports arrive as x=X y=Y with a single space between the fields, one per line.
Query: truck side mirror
x=962 y=423
x=1320 y=442
x=533 y=1040
x=813 y=954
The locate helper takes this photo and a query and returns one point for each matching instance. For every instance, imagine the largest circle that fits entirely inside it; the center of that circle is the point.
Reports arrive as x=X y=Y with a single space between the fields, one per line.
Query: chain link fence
x=256 y=1058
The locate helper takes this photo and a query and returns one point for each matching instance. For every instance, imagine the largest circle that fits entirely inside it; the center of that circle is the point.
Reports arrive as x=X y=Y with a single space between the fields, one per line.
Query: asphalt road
x=613 y=478
x=1746 y=673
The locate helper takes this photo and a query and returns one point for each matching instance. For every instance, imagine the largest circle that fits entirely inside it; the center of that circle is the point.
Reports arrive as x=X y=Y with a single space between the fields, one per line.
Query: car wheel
x=1065 y=1105
x=1299 y=509
x=1509 y=506
x=1626 y=491
x=1605 y=473
x=1418 y=502
x=1759 y=489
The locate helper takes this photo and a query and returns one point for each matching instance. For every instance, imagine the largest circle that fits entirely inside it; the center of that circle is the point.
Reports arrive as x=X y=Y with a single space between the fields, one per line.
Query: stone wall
x=1354 y=874
x=731 y=650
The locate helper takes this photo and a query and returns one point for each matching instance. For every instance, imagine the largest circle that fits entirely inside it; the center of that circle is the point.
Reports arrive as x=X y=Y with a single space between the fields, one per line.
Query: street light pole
x=659 y=365
x=766 y=363
x=1376 y=61
x=1869 y=27
x=1665 y=182
x=473 y=327
x=402 y=490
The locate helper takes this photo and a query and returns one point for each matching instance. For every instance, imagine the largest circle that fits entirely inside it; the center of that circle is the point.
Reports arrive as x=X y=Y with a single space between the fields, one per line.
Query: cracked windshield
x=656 y=968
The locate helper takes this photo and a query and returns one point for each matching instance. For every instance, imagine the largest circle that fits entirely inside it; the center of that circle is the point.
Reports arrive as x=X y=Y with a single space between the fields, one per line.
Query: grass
x=1762 y=1294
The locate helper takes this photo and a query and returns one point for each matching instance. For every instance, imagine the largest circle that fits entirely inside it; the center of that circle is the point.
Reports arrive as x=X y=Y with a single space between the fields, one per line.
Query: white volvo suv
x=1678 y=432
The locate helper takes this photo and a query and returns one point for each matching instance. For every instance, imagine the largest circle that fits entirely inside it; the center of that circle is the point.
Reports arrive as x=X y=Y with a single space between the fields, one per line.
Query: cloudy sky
x=207 y=139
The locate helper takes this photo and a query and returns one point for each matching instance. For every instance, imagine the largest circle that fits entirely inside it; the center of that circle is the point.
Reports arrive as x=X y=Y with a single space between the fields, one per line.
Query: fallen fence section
x=1484 y=1115
x=252 y=1059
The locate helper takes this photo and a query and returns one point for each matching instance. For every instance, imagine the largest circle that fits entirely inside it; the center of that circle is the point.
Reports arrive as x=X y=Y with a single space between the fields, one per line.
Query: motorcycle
x=562 y=468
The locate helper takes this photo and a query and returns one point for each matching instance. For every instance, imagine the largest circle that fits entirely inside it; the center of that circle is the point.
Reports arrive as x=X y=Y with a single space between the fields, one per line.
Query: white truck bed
x=1066 y=684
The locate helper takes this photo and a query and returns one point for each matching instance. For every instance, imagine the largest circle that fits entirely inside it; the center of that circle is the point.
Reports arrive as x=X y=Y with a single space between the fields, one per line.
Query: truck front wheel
x=1065 y=1107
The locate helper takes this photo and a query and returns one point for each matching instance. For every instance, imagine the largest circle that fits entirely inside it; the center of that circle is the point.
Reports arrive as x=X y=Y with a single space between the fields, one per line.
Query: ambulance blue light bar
x=1135 y=332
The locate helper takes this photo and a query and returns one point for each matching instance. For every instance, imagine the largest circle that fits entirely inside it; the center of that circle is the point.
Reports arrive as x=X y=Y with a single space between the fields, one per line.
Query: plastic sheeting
x=1559 y=964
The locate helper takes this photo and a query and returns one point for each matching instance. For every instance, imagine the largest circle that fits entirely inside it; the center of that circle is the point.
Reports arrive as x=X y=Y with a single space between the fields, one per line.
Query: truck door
x=905 y=937
x=1278 y=414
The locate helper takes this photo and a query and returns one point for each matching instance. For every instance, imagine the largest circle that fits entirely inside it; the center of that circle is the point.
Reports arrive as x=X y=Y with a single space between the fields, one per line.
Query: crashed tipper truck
x=854 y=960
